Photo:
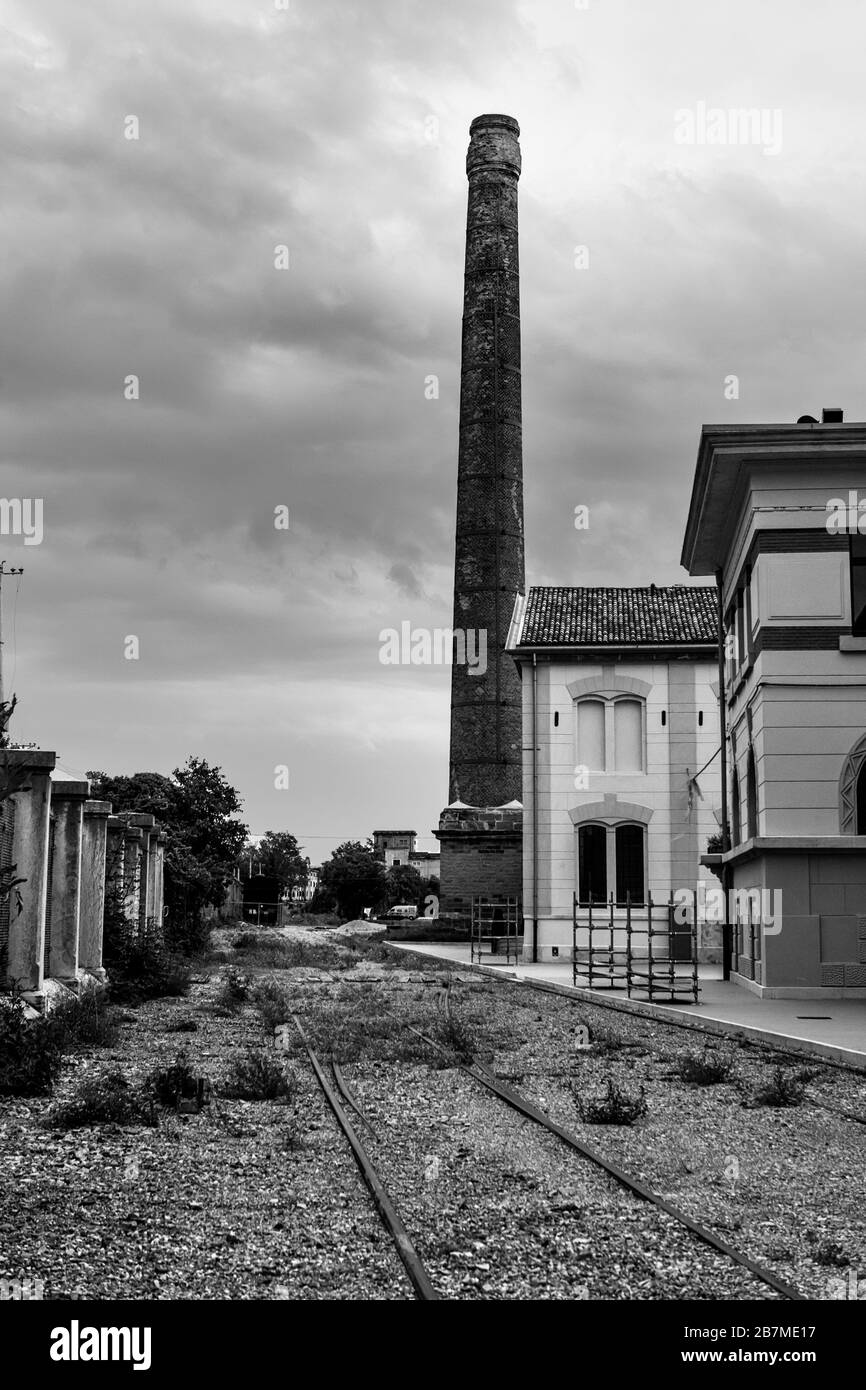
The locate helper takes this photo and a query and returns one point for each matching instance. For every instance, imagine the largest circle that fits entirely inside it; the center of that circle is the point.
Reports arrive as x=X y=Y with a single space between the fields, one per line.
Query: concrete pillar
x=26 y=820
x=157 y=899
x=93 y=857
x=132 y=873
x=61 y=954
x=147 y=825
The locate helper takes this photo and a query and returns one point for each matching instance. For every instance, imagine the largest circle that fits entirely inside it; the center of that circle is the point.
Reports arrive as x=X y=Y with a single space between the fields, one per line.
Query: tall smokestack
x=486 y=738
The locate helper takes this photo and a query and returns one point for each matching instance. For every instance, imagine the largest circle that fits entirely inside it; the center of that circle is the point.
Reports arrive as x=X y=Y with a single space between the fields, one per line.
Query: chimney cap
x=503 y=122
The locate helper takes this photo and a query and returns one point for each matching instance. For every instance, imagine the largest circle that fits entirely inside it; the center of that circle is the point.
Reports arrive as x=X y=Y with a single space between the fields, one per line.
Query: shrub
x=615 y=1108
x=234 y=989
x=707 y=1068
x=30 y=1050
x=84 y=1020
x=830 y=1254
x=141 y=966
x=456 y=1037
x=100 y=1099
x=781 y=1092
x=271 y=1003
x=175 y=1083
x=606 y=1039
x=260 y=1076
x=247 y=941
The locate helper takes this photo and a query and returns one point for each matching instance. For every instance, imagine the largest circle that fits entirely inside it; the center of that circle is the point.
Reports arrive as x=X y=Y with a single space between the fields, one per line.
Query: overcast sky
x=339 y=130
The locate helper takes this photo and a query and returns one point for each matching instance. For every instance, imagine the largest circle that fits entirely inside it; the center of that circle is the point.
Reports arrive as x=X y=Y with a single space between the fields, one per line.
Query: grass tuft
x=614 y=1108
x=100 y=1099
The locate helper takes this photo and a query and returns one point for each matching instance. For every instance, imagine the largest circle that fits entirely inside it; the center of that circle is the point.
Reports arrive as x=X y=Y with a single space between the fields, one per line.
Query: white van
x=404 y=912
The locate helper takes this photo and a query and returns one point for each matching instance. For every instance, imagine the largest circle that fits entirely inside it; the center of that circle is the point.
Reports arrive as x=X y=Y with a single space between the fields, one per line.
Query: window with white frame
x=610 y=734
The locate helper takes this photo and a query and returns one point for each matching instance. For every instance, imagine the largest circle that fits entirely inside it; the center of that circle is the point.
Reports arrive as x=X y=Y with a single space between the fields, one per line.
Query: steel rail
x=526 y=1108
x=348 y=1097
x=385 y=1207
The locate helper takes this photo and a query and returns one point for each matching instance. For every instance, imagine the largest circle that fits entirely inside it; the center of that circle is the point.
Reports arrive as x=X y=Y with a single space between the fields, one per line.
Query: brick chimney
x=485 y=761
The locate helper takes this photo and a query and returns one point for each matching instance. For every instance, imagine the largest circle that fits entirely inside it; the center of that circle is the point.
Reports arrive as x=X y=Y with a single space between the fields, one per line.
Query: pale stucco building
x=778 y=512
x=621 y=773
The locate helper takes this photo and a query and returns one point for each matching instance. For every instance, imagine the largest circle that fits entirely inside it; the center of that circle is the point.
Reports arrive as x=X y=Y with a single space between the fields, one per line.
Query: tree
x=351 y=879
x=278 y=856
x=196 y=807
x=404 y=884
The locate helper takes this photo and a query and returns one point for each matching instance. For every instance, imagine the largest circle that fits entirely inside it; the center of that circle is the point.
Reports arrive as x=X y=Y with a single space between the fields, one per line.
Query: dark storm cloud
x=339 y=131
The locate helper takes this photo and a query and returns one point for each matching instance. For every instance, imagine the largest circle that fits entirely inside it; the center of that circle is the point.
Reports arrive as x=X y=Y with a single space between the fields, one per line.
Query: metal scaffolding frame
x=495 y=928
x=665 y=976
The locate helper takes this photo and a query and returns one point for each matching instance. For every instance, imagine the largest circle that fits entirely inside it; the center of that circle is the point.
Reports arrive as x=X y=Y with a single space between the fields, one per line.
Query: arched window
x=629 y=840
x=751 y=797
x=861 y=800
x=611 y=857
x=592 y=863
x=590 y=735
x=736 y=827
x=627 y=736
x=610 y=734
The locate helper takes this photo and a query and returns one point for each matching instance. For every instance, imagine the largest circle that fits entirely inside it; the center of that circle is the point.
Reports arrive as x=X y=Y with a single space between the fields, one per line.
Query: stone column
x=132 y=873
x=147 y=825
x=61 y=955
x=26 y=821
x=93 y=857
x=158 y=878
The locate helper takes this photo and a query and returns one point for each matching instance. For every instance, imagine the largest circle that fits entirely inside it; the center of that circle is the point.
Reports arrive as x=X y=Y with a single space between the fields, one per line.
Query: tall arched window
x=627 y=736
x=592 y=863
x=751 y=797
x=736 y=827
x=629 y=863
x=590 y=735
x=861 y=801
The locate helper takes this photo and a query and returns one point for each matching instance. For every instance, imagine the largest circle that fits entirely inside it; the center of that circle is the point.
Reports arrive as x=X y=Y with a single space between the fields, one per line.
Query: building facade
x=778 y=513
x=621 y=773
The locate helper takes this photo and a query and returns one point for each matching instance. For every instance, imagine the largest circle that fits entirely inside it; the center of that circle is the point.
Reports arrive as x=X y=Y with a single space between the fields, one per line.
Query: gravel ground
x=227 y=1203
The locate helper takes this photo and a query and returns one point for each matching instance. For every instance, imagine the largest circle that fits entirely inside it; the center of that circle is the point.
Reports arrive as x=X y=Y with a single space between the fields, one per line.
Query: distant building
x=427 y=863
x=621 y=788
x=304 y=892
x=394 y=846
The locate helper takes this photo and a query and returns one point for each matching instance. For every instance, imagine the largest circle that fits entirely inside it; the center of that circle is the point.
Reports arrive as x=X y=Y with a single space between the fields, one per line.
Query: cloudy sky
x=339 y=130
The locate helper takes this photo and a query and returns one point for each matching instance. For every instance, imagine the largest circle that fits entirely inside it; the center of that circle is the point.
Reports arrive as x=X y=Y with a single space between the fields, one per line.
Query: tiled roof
x=618 y=617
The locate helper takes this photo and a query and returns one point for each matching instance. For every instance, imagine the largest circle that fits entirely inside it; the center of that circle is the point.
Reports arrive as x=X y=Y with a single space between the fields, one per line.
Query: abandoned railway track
x=342 y=1099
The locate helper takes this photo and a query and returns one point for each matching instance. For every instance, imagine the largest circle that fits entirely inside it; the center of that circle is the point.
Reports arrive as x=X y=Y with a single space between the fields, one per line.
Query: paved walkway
x=835 y=1028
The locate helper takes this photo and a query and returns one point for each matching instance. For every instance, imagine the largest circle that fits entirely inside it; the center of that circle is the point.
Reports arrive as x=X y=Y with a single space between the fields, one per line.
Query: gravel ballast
x=262 y=1199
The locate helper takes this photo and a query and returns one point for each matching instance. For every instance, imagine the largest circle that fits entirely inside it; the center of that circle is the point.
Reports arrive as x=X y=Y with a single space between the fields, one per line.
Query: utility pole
x=3 y=572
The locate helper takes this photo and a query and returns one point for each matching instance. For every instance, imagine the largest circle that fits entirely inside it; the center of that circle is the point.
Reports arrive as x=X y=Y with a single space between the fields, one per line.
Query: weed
x=830 y=1254
x=247 y=941
x=234 y=989
x=781 y=1092
x=30 y=1050
x=84 y=1020
x=606 y=1039
x=271 y=1002
x=455 y=1035
x=707 y=1068
x=101 y=1099
x=260 y=1076
x=615 y=1108
x=175 y=1083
